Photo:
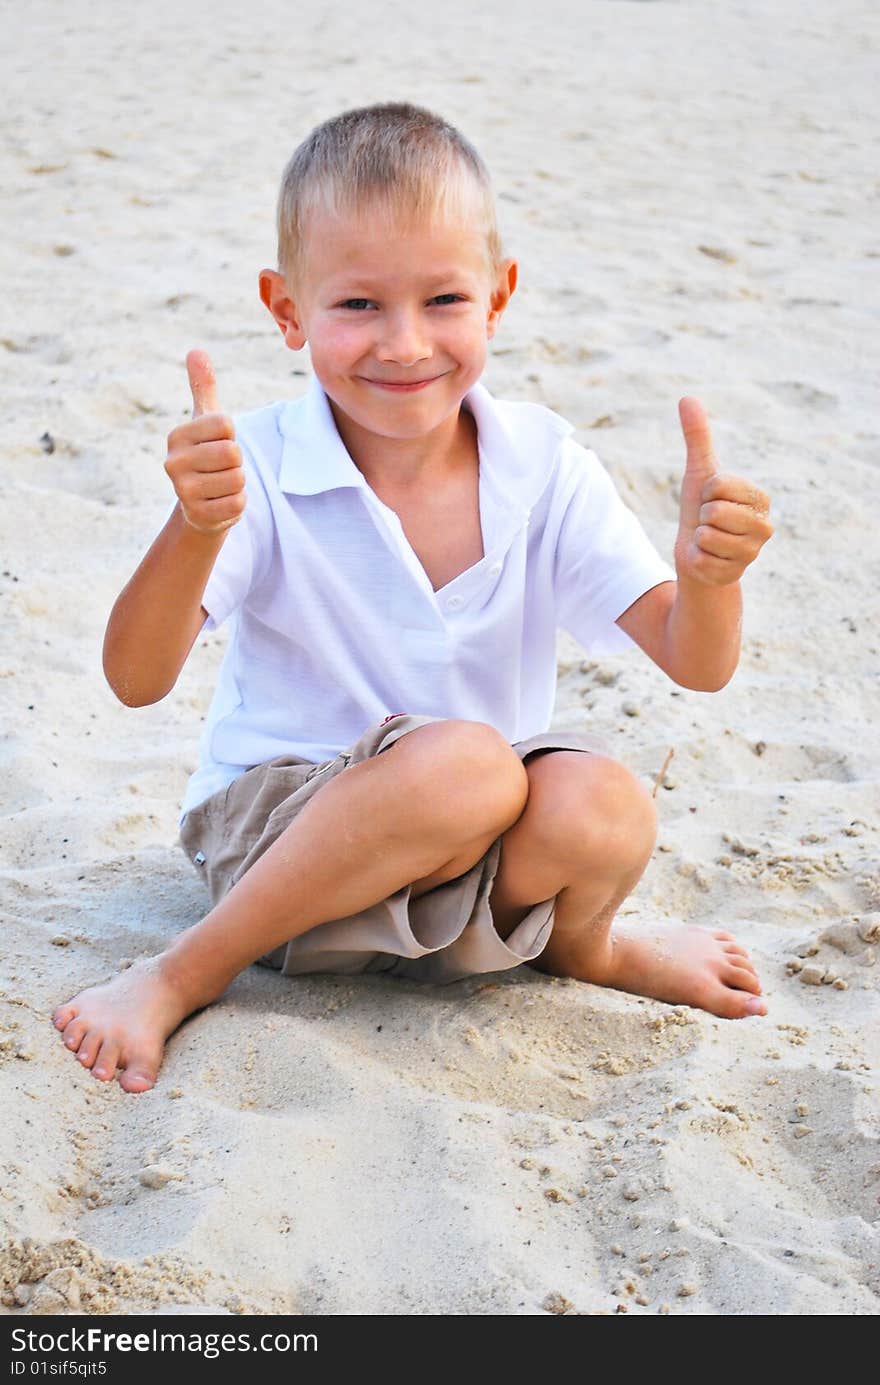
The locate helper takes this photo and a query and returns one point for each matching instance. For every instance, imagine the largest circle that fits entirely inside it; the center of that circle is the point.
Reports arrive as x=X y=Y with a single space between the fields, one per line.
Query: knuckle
x=218 y=454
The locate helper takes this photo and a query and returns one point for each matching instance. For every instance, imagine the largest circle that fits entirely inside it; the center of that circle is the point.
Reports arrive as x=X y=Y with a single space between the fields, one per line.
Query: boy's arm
x=157 y=616
x=691 y=628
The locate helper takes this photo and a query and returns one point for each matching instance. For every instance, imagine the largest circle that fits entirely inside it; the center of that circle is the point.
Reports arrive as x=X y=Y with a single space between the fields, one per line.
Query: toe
x=107 y=1061
x=88 y=1049
x=743 y=978
x=137 y=1079
x=738 y=1004
x=737 y=949
x=725 y=937
x=733 y=959
x=752 y=1005
x=140 y=1072
x=63 y=1015
x=74 y=1033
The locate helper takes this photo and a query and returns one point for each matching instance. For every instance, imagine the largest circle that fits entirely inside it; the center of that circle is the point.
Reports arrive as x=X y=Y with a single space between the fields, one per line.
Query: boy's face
x=397 y=317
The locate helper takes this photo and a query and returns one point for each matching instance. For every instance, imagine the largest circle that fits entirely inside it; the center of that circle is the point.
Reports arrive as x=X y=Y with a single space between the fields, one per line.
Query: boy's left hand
x=723 y=524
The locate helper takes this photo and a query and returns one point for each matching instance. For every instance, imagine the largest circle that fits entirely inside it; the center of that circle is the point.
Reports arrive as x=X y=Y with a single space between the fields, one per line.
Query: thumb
x=203 y=383
x=701 y=460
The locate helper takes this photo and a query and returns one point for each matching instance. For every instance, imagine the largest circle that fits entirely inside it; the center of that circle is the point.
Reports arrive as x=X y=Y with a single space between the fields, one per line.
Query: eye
x=356 y=304
x=445 y=298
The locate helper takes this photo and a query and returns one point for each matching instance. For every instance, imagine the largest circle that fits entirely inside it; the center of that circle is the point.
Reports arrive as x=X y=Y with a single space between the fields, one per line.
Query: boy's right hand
x=204 y=460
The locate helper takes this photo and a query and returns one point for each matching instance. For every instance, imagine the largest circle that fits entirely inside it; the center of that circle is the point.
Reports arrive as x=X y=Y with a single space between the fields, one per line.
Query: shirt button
x=454 y=602
x=495 y=569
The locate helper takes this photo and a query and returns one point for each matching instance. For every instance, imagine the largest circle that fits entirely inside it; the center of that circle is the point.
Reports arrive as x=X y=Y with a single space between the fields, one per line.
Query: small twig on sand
x=659 y=780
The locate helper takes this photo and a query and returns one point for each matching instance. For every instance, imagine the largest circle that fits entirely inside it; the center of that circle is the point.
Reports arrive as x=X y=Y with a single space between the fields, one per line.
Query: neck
x=401 y=463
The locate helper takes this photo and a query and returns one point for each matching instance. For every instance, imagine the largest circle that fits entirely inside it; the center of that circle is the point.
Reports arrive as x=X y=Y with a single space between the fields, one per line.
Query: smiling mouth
x=401 y=386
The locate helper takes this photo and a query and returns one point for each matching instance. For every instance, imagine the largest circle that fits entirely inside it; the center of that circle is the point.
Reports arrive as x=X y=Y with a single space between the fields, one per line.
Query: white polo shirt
x=335 y=624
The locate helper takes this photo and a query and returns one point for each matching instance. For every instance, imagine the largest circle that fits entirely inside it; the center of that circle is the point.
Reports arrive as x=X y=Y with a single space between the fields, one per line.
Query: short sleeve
x=604 y=559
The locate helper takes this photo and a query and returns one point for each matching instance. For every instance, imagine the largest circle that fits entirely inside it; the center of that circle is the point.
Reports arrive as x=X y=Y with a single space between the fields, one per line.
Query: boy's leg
x=586 y=836
x=424 y=809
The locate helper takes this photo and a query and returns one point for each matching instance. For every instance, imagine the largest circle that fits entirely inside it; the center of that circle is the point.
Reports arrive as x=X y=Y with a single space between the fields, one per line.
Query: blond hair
x=402 y=159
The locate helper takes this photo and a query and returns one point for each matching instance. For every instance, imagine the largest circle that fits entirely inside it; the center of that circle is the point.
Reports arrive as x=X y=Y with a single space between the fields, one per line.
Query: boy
x=406 y=541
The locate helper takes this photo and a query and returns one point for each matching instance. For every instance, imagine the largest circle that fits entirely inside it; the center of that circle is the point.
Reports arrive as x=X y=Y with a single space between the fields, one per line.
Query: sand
x=688 y=187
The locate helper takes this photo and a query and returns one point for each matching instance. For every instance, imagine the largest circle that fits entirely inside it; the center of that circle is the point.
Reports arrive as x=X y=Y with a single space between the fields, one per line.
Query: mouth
x=401 y=386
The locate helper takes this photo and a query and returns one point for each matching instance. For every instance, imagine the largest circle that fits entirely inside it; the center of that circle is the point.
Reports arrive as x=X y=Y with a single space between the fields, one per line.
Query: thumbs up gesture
x=204 y=460
x=723 y=523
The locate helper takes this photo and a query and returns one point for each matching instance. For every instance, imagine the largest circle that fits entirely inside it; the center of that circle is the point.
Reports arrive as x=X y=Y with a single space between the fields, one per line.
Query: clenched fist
x=723 y=523
x=204 y=460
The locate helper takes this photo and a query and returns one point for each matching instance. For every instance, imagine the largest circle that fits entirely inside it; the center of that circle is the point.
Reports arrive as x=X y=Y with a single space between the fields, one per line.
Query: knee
x=468 y=770
x=592 y=812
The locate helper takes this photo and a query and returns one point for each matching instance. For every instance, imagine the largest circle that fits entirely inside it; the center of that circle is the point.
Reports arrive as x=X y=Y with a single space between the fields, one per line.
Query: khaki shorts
x=441 y=936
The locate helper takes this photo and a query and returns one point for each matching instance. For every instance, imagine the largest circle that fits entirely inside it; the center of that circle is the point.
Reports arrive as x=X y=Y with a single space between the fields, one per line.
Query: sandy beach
x=690 y=190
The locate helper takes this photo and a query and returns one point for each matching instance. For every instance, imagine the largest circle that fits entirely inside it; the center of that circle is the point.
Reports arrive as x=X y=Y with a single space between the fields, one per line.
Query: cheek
x=468 y=337
x=477 y=342
x=344 y=340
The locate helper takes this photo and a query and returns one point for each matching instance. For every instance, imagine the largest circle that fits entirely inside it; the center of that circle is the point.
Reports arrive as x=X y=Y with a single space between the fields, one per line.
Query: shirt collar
x=518 y=444
x=314 y=458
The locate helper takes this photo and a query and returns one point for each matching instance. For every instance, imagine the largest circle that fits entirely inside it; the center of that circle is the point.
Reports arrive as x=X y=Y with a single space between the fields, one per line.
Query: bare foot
x=686 y=965
x=124 y=1023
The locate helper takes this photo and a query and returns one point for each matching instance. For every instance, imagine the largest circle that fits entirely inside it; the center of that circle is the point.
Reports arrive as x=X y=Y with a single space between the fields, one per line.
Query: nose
x=403 y=341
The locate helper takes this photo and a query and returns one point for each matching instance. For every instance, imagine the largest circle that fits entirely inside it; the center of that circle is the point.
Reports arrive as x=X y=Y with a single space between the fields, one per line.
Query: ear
x=505 y=284
x=276 y=296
